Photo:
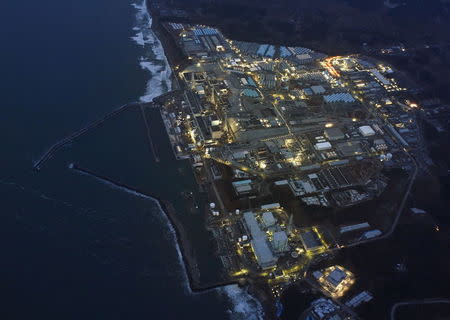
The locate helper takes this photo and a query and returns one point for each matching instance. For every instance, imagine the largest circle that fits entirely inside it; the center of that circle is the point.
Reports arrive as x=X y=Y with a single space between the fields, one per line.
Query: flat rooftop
x=310 y=240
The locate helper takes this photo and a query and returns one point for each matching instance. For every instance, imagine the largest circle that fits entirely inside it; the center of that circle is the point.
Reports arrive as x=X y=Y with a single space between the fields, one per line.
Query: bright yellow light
x=262 y=164
x=241 y=272
x=192 y=134
x=328 y=125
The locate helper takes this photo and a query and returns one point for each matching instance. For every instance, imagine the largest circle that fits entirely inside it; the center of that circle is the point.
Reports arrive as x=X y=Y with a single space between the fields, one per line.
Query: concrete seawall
x=187 y=252
x=95 y=124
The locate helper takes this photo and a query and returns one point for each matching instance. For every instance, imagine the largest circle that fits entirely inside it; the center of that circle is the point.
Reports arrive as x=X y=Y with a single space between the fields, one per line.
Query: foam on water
x=172 y=234
x=155 y=62
x=153 y=59
x=245 y=306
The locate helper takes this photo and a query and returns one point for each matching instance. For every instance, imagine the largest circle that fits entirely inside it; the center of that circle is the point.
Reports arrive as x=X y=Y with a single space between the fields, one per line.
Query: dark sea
x=73 y=246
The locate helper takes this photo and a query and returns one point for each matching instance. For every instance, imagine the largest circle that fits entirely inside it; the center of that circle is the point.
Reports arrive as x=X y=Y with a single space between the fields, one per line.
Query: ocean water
x=75 y=247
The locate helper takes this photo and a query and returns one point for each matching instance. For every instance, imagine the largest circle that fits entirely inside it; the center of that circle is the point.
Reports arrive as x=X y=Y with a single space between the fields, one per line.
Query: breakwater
x=151 y=145
x=181 y=237
x=95 y=124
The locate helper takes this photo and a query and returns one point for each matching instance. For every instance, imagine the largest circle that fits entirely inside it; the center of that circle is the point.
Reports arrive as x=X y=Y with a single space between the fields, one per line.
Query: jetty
x=95 y=124
x=152 y=147
x=186 y=250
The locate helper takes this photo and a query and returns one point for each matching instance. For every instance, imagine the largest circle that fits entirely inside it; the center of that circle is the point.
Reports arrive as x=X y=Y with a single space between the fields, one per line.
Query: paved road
x=416 y=302
x=399 y=211
x=402 y=204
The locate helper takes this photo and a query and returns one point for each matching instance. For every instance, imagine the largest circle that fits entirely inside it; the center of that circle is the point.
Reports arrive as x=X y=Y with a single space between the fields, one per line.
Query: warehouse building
x=335 y=277
x=350 y=148
x=366 y=131
x=310 y=240
x=343 y=97
x=334 y=134
x=243 y=186
x=320 y=146
x=318 y=89
x=354 y=227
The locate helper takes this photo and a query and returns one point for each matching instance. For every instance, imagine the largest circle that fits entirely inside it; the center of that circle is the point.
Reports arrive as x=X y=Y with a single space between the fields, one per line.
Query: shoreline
x=181 y=238
x=175 y=57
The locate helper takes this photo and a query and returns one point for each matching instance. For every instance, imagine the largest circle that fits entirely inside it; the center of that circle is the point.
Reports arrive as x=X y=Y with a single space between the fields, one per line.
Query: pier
x=97 y=123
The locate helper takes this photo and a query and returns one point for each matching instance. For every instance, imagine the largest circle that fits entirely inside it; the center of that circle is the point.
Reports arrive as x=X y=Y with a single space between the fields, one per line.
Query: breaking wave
x=245 y=306
x=171 y=231
x=153 y=59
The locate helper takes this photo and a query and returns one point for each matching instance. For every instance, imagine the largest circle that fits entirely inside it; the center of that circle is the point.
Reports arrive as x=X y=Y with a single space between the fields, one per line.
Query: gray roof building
x=263 y=254
x=334 y=134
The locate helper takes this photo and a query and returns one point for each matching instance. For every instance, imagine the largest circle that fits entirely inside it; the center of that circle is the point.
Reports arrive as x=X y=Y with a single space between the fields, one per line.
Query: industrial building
x=354 y=227
x=268 y=219
x=334 y=134
x=320 y=146
x=342 y=97
x=310 y=240
x=335 y=280
x=366 y=131
x=243 y=186
x=280 y=242
x=371 y=234
x=285 y=119
x=260 y=246
x=360 y=298
x=335 y=277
